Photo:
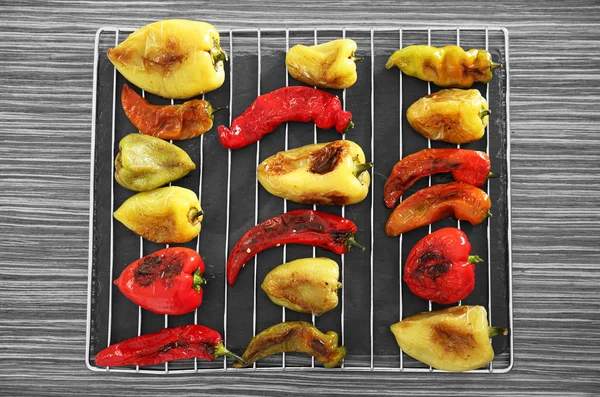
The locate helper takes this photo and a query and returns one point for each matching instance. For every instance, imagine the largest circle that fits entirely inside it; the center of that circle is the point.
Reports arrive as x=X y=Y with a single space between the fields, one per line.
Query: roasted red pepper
x=169 y=344
x=296 y=103
x=468 y=166
x=177 y=122
x=166 y=282
x=464 y=201
x=307 y=227
x=440 y=268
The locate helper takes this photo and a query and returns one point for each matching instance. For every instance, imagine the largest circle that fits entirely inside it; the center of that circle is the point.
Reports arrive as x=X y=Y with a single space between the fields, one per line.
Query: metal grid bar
x=400 y=121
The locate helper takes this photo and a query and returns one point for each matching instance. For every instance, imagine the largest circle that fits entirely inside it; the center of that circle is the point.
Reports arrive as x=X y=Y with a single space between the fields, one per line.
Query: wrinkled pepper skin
x=172 y=58
x=465 y=202
x=166 y=215
x=331 y=173
x=171 y=122
x=454 y=339
x=145 y=163
x=168 y=281
x=294 y=337
x=451 y=115
x=307 y=285
x=307 y=227
x=449 y=66
x=169 y=344
x=327 y=65
x=469 y=166
x=440 y=267
x=295 y=103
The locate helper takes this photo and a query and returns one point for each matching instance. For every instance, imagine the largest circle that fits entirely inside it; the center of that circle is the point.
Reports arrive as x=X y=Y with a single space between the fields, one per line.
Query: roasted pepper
x=449 y=66
x=166 y=215
x=322 y=173
x=459 y=199
x=294 y=337
x=145 y=163
x=294 y=103
x=307 y=227
x=307 y=285
x=451 y=115
x=176 y=122
x=327 y=65
x=468 y=166
x=168 y=281
x=169 y=344
x=440 y=267
x=454 y=339
x=172 y=58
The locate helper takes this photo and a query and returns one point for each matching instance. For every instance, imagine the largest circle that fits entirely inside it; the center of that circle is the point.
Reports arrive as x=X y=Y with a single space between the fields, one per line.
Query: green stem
x=492 y=175
x=494 y=331
x=351 y=242
x=220 y=350
x=488 y=214
x=350 y=125
x=198 y=280
x=356 y=59
x=494 y=65
x=193 y=215
x=215 y=110
x=484 y=112
x=360 y=168
x=474 y=259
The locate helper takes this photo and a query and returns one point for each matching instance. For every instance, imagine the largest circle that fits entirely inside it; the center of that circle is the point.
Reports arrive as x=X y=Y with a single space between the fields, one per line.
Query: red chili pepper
x=169 y=344
x=307 y=227
x=440 y=267
x=468 y=166
x=464 y=201
x=189 y=120
x=165 y=282
x=296 y=103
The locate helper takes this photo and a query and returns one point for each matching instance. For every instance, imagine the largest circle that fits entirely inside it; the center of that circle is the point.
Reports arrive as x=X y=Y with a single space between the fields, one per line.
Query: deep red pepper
x=440 y=267
x=470 y=166
x=169 y=344
x=165 y=282
x=306 y=227
x=296 y=103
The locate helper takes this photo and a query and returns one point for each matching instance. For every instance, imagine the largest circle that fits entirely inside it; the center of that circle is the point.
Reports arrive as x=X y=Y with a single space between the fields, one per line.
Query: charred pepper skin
x=307 y=227
x=169 y=344
x=295 y=103
x=440 y=267
x=465 y=202
x=165 y=282
x=469 y=166
x=294 y=337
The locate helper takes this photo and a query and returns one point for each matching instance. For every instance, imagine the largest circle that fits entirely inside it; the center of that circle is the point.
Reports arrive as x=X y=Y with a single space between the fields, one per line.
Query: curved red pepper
x=169 y=344
x=470 y=166
x=307 y=227
x=440 y=268
x=165 y=282
x=296 y=103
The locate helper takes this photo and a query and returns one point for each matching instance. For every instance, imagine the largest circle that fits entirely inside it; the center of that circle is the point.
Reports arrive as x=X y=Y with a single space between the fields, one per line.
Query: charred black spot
x=153 y=267
x=318 y=346
x=340 y=236
x=326 y=159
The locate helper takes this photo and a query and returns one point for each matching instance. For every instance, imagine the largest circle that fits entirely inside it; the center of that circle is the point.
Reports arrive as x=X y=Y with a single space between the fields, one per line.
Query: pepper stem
x=198 y=280
x=350 y=125
x=351 y=242
x=220 y=350
x=492 y=175
x=193 y=216
x=484 y=112
x=495 y=331
x=474 y=259
x=360 y=168
x=215 y=110
x=488 y=214
x=356 y=59
x=494 y=65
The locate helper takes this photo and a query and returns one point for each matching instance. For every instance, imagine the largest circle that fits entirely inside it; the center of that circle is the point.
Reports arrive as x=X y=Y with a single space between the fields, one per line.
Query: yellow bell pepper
x=174 y=58
x=307 y=285
x=166 y=215
x=451 y=115
x=455 y=339
x=449 y=66
x=327 y=65
x=322 y=173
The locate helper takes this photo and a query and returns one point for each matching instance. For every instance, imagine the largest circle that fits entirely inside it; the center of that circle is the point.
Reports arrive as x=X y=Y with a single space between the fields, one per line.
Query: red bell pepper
x=166 y=282
x=440 y=268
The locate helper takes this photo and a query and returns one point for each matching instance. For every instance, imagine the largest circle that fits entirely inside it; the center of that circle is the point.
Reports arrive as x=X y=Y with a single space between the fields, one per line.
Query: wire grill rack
x=373 y=296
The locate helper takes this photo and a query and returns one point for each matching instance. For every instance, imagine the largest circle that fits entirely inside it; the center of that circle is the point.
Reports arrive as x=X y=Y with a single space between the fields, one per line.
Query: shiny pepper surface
x=327 y=65
x=449 y=66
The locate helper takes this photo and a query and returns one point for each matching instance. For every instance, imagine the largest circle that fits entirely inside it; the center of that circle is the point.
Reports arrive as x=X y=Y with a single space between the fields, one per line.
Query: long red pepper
x=296 y=103
x=440 y=268
x=470 y=166
x=169 y=344
x=307 y=227
x=166 y=282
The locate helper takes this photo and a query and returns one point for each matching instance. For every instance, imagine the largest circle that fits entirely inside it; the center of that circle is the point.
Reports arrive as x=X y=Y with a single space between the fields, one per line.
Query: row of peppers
x=439 y=267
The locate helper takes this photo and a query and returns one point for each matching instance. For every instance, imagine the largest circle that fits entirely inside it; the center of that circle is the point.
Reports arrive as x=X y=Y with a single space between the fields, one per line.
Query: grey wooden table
x=46 y=58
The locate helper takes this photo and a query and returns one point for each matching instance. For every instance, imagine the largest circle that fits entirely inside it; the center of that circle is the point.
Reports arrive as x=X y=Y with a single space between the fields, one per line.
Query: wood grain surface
x=46 y=58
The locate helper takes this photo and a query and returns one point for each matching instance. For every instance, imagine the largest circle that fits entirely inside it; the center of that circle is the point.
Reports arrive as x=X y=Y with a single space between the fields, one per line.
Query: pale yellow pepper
x=322 y=173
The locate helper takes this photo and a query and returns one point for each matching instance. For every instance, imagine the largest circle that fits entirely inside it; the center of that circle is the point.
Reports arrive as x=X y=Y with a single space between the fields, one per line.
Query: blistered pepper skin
x=327 y=65
x=333 y=173
x=448 y=66
x=451 y=115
